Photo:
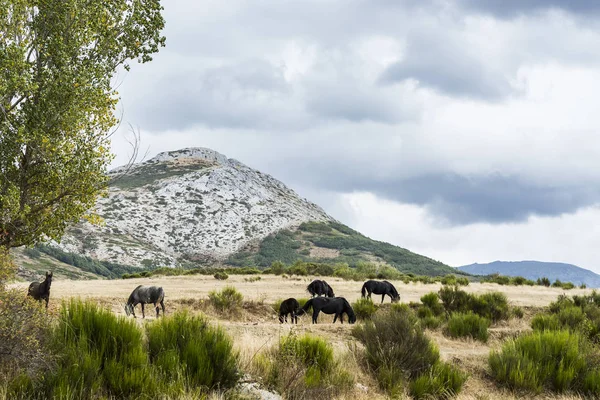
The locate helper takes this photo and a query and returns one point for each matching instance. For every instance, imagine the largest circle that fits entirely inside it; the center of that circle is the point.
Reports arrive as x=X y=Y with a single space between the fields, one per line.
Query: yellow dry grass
x=256 y=328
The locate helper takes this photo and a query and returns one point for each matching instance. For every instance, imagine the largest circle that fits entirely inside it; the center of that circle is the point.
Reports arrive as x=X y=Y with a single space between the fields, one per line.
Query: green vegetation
x=221 y=276
x=468 y=325
x=519 y=281
x=95 y=354
x=493 y=305
x=228 y=300
x=59 y=62
x=397 y=349
x=554 y=360
x=303 y=367
x=290 y=246
x=364 y=308
x=101 y=268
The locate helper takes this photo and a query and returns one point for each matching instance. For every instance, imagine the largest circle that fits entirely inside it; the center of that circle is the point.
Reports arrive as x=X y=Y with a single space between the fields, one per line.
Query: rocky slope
x=187 y=206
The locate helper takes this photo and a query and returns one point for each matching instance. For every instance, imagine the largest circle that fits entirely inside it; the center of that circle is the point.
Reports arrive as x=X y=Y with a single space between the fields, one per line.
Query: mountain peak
x=199 y=153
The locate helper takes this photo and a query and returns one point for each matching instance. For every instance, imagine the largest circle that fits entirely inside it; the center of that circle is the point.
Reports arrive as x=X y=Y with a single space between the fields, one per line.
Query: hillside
x=197 y=207
x=536 y=269
x=332 y=242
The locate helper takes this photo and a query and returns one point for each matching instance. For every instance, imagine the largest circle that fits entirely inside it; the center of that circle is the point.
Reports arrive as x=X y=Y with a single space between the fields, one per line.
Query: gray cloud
x=510 y=8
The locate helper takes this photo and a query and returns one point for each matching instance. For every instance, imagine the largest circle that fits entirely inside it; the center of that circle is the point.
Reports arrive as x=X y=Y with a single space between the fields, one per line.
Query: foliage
x=227 y=300
x=7 y=267
x=517 y=312
x=59 y=58
x=97 y=353
x=468 y=325
x=432 y=302
x=186 y=350
x=443 y=381
x=102 y=268
x=364 y=308
x=543 y=282
x=492 y=305
x=397 y=349
x=454 y=299
x=24 y=329
x=303 y=367
x=221 y=276
x=555 y=360
x=290 y=246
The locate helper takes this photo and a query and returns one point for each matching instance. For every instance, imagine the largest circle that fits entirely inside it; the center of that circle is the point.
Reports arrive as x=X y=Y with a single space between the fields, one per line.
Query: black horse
x=320 y=288
x=336 y=305
x=289 y=306
x=41 y=291
x=145 y=295
x=382 y=288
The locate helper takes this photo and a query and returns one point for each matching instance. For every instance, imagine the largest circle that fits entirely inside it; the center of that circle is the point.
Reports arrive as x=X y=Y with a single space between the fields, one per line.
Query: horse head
x=49 y=276
x=128 y=309
x=396 y=299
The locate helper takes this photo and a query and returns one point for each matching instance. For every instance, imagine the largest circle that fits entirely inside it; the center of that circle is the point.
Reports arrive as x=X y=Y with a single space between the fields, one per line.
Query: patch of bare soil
x=323 y=252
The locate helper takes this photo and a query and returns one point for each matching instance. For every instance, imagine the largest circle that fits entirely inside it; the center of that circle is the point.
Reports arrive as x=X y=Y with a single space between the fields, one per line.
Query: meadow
x=260 y=339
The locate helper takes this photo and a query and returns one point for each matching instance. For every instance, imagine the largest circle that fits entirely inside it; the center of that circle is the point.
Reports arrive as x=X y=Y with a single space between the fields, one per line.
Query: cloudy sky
x=462 y=131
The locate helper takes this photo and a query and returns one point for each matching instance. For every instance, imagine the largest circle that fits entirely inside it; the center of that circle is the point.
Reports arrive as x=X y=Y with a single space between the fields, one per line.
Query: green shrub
x=468 y=325
x=364 y=308
x=432 y=301
x=462 y=281
x=543 y=282
x=517 y=281
x=431 y=322
x=252 y=279
x=443 y=381
x=186 y=350
x=557 y=283
x=517 y=312
x=493 y=306
x=303 y=367
x=226 y=300
x=454 y=299
x=567 y=285
x=221 y=276
x=544 y=322
x=98 y=353
x=554 y=360
x=449 y=280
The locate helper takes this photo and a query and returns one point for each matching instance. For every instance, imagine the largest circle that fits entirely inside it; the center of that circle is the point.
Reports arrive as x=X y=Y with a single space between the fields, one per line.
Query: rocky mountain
x=536 y=269
x=187 y=206
x=196 y=207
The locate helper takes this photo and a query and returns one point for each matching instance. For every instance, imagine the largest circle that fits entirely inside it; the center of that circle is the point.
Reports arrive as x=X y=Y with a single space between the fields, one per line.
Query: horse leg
x=315 y=316
x=47 y=299
x=369 y=295
x=342 y=318
x=162 y=304
x=382 y=298
x=143 y=315
x=157 y=309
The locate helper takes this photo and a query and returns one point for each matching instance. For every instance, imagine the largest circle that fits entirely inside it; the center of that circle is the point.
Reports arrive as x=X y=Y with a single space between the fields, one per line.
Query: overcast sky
x=463 y=130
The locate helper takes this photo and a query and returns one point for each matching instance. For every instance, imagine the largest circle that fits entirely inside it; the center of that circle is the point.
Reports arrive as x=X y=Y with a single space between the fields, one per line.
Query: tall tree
x=58 y=59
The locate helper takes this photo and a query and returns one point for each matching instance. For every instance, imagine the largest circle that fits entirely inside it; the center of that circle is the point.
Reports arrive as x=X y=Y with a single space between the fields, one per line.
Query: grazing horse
x=289 y=306
x=145 y=295
x=336 y=305
x=318 y=288
x=382 y=288
x=41 y=291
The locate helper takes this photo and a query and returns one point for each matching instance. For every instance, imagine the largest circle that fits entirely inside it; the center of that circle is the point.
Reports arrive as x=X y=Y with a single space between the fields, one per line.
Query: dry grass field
x=257 y=328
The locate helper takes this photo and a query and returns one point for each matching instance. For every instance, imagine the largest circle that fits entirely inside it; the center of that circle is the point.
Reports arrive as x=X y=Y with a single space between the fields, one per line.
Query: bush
x=24 y=332
x=454 y=299
x=543 y=282
x=364 y=308
x=449 y=280
x=98 y=353
x=252 y=279
x=554 y=360
x=443 y=381
x=432 y=301
x=303 y=367
x=221 y=276
x=544 y=322
x=493 y=306
x=462 y=281
x=397 y=348
x=226 y=300
x=468 y=325
x=186 y=350
x=517 y=312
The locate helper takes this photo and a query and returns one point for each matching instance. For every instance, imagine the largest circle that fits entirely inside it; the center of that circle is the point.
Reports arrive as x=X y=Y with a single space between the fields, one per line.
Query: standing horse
x=289 y=306
x=381 y=288
x=145 y=295
x=336 y=305
x=41 y=291
x=318 y=288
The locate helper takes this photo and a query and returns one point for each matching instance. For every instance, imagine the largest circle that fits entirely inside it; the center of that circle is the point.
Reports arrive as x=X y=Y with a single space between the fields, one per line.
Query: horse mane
x=308 y=305
x=131 y=296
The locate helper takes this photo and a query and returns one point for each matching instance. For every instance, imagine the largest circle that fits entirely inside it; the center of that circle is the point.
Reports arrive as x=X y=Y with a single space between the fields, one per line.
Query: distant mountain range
x=536 y=269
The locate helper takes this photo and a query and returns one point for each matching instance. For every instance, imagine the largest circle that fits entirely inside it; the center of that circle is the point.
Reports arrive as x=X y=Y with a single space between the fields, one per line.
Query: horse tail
x=363 y=291
x=161 y=294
